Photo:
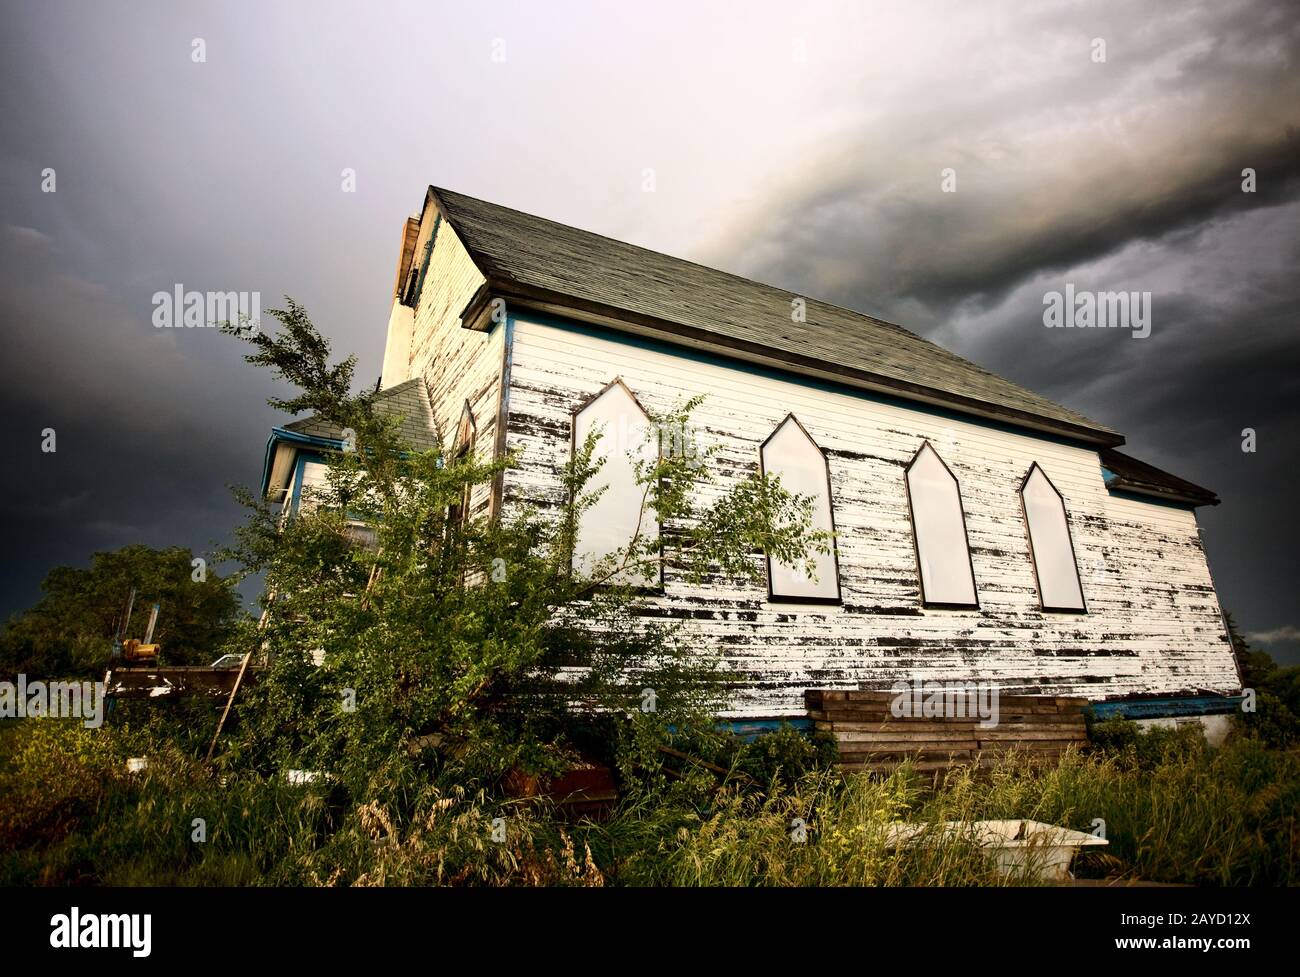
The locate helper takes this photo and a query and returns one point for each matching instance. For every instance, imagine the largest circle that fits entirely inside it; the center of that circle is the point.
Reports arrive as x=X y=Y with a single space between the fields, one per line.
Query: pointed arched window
x=939 y=529
x=622 y=513
x=466 y=431
x=1050 y=545
x=791 y=453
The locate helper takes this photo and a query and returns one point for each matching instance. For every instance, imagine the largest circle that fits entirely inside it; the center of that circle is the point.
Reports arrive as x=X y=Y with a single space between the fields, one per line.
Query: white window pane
x=1049 y=536
x=941 y=545
x=611 y=524
x=792 y=455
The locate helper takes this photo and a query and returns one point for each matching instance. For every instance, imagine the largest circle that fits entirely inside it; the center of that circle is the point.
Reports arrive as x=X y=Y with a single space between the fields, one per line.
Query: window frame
x=916 y=542
x=1069 y=537
x=830 y=505
x=466 y=435
x=658 y=586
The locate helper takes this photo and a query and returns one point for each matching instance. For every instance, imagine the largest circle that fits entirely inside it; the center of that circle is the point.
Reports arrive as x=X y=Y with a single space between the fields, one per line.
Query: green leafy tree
x=474 y=644
x=1276 y=719
x=70 y=630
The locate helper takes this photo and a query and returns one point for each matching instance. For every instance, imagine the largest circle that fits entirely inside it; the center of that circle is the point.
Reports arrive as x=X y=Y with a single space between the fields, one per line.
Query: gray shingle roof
x=408 y=400
x=532 y=259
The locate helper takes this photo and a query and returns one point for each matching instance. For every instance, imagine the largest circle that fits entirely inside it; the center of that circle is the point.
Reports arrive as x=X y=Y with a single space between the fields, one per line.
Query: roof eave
x=1163 y=494
x=280 y=435
x=477 y=315
x=266 y=465
x=1124 y=473
x=311 y=440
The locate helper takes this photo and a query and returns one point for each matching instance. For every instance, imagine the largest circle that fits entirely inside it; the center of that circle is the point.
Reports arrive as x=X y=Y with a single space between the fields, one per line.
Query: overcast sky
x=799 y=144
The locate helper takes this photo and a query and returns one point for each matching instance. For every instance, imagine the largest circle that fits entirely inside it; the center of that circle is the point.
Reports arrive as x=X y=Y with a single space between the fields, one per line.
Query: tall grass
x=1174 y=811
x=820 y=832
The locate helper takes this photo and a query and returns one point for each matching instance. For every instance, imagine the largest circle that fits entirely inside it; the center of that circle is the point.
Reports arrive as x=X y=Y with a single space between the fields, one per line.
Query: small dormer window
x=939 y=530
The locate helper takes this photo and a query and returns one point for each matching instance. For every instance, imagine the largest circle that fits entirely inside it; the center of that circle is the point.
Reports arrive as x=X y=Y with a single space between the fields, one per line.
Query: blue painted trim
x=1110 y=478
x=282 y=435
x=1201 y=705
x=751 y=729
x=294 y=437
x=279 y=434
x=1150 y=499
x=266 y=465
x=789 y=376
x=296 y=488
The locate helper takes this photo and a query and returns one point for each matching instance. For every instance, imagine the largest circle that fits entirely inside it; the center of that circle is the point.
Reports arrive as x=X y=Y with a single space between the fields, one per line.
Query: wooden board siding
x=868 y=736
x=315 y=479
x=1153 y=623
x=457 y=364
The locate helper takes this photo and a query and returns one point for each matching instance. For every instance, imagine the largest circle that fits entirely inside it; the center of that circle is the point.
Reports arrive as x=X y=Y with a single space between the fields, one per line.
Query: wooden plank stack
x=173 y=682
x=871 y=738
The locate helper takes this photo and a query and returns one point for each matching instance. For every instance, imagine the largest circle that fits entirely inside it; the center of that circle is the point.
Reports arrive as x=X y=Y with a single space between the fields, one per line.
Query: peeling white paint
x=1153 y=621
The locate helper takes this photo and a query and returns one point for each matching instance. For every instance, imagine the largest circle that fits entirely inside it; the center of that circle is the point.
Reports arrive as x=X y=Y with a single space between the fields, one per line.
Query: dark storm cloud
x=1118 y=175
x=1052 y=170
x=167 y=172
x=145 y=437
x=1221 y=357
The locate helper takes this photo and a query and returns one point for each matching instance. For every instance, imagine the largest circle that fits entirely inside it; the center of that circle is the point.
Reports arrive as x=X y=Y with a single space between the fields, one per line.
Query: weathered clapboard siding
x=1153 y=623
x=457 y=365
x=315 y=478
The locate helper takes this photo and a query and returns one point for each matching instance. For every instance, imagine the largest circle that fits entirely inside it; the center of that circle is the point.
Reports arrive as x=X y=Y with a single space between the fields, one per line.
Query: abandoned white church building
x=982 y=532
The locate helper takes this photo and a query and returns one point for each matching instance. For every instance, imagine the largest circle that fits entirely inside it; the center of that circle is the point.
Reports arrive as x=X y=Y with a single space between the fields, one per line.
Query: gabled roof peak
x=408 y=400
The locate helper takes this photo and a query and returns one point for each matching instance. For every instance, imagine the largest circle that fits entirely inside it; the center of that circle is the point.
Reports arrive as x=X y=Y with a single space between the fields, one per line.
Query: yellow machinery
x=135 y=651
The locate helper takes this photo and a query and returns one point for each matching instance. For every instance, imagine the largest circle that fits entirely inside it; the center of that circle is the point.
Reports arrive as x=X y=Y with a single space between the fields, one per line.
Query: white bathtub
x=1020 y=848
